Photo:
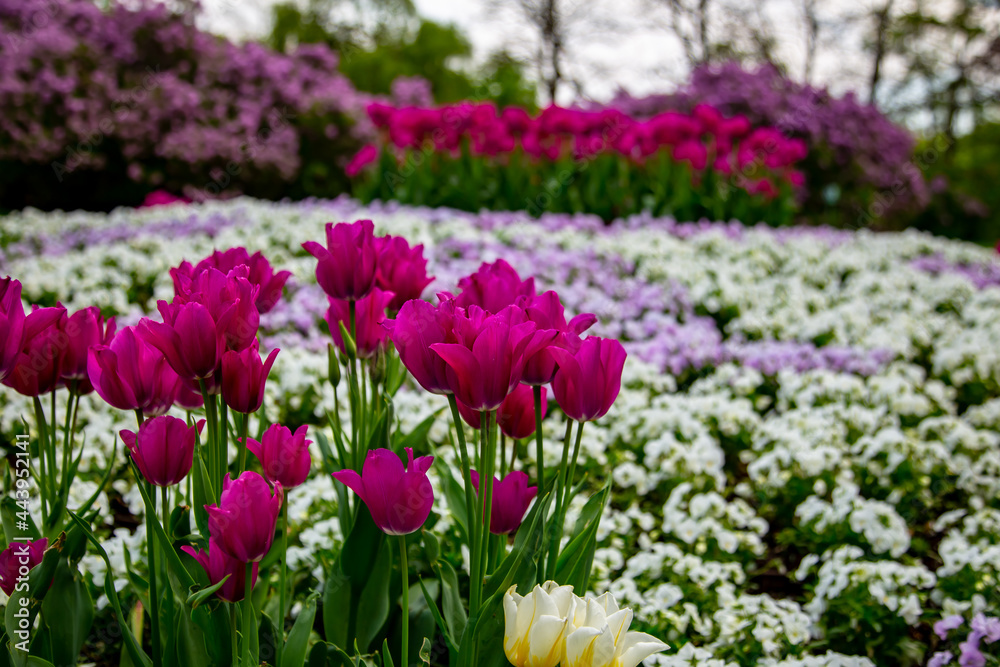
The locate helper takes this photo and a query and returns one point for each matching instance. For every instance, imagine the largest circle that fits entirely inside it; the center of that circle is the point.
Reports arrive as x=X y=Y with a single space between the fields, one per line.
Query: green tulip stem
x=356 y=415
x=212 y=462
x=405 y=570
x=284 y=568
x=71 y=405
x=166 y=516
x=572 y=466
x=247 y=616
x=244 y=433
x=53 y=428
x=486 y=486
x=154 y=598
x=557 y=528
x=223 y=440
x=539 y=449
x=503 y=455
x=232 y=628
x=513 y=453
x=42 y=448
x=463 y=451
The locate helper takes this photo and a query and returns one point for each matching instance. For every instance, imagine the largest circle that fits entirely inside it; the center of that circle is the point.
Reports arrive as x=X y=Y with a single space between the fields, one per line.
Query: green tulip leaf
x=198 y=597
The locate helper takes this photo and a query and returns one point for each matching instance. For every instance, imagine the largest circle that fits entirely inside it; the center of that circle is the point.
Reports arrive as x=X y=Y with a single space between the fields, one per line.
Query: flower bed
x=804 y=452
x=472 y=156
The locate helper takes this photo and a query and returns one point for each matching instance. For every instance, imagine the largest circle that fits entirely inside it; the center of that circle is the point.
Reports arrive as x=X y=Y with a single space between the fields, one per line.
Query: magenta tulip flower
x=83 y=330
x=369 y=315
x=511 y=498
x=546 y=311
x=218 y=564
x=284 y=456
x=418 y=326
x=402 y=270
x=261 y=274
x=243 y=378
x=19 y=559
x=399 y=499
x=347 y=264
x=189 y=337
x=221 y=293
x=243 y=522
x=163 y=450
x=473 y=418
x=493 y=287
x=131 y=374
x=516 y=415
x=11 y=325
x=37 y=367
x=588 y=381
x=487 y=360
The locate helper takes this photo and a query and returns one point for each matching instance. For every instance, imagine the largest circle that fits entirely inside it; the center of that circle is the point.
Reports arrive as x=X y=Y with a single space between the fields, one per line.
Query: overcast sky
x=641 y=56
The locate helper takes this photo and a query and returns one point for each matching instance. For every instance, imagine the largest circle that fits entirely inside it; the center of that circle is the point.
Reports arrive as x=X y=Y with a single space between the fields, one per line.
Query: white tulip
x=599 y=636
x=535 y=625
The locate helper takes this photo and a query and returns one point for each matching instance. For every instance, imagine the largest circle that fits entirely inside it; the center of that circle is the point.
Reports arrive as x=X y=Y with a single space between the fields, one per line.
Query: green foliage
x=400 y=45
x=969 y=206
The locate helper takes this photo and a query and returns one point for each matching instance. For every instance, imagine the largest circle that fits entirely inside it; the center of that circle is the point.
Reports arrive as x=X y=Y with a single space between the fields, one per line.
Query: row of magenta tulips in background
x=470 y=156
x=211 y=522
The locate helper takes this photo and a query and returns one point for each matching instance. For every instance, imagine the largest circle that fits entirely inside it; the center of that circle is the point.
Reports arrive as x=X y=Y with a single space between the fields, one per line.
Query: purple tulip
x=516 y=415
x=163 y=450
x=243 y=522
x=131 y=374
x=243 y=378
x=261 y=274
x=221 y=293
x=487 y=360
x=546 y=311
x=37 y=366
x=83 y=329
x=17 y=560
x=418 y=326
x=189 y=337
x=218 y=564
x=369 y=315
x=347 y=265
x=588 y=381
x=511 y=498
x=11 y=325
x=493 y=287
x=402 y=270
x=399 y=499
x=284 y=456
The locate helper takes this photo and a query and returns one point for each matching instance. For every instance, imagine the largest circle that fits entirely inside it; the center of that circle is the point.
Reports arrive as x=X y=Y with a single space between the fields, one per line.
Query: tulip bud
x=398 y=498
x=377 y=368
x=243 y=522
x=350 y=349
x=163 y=449
x=333 y=364
x=17 y=560
x=283 y=456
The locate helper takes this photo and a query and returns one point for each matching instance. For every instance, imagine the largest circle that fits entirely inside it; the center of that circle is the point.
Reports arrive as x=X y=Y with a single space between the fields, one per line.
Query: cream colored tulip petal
x=510 y=602
x=619 y=623
x=638 y=647
x=579 y=646
x=608 y=602
x=545 y=641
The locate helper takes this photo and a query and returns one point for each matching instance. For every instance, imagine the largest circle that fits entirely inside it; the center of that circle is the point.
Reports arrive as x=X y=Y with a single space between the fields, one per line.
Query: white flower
x=535 y=625
x=600 y=637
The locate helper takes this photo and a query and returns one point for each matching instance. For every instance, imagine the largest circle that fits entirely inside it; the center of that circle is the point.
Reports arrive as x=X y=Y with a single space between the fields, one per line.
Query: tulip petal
x=638 y=647
x=351 y=480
